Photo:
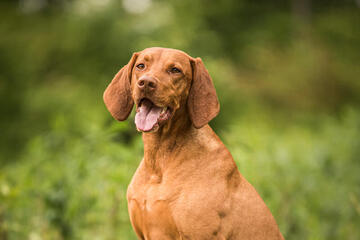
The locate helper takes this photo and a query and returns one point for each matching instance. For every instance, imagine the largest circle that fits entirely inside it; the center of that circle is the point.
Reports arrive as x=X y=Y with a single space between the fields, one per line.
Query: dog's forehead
x=156 y=53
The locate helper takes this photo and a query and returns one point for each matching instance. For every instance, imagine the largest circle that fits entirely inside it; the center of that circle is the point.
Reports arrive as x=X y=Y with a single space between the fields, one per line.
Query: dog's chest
x=149 y=195
x=149 y=203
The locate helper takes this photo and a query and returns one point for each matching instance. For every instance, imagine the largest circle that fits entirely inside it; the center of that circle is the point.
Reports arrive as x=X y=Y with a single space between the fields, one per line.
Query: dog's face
x=160 y=84
x=160 y=81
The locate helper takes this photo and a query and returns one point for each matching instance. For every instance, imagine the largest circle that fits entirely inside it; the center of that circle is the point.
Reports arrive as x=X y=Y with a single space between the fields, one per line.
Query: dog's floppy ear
x=203 y=104
x=117 y=96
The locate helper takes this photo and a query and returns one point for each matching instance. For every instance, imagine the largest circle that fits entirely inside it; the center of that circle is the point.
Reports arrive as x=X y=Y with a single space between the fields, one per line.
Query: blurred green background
x=286 y=73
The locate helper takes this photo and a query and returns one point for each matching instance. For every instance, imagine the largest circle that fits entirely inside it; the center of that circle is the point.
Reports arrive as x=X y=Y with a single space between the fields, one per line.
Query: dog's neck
x=167 y=141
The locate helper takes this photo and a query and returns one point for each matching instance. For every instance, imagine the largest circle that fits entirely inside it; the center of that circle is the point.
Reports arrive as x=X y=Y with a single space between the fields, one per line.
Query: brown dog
x=187 y=185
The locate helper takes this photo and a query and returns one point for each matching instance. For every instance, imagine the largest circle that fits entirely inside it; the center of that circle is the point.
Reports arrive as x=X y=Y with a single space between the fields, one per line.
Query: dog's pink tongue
x=147 y=116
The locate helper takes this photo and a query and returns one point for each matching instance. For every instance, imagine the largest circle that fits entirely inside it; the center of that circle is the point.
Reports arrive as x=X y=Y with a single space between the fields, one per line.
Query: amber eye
x=175 y=70
x=140 y=66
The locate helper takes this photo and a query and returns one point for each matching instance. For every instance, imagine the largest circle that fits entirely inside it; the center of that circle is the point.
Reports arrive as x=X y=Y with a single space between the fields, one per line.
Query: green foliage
x=308 y=174
x=287 y=83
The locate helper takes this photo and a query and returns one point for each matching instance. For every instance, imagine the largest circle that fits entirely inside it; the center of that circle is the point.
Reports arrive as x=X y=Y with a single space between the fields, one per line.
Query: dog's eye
x=140 y=66
x=175 y=70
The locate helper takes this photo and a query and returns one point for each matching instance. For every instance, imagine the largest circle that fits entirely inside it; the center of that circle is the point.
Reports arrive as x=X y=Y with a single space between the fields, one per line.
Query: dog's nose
x=146 y=82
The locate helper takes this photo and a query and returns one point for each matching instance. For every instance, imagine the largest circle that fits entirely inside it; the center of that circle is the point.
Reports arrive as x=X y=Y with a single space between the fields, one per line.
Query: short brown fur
x=187 y=186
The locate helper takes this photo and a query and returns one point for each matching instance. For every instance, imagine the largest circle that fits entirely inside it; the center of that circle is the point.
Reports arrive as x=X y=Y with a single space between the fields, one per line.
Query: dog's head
x=160 y=81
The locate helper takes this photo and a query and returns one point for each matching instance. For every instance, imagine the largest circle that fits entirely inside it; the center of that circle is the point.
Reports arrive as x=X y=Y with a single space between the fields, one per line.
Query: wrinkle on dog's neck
x=164 y=144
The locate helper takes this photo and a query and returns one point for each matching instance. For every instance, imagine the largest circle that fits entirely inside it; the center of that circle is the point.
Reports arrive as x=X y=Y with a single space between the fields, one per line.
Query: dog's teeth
x=163 y=110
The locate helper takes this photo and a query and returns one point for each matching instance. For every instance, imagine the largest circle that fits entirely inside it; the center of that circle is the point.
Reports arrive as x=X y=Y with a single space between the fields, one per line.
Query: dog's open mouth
x=149 y=116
